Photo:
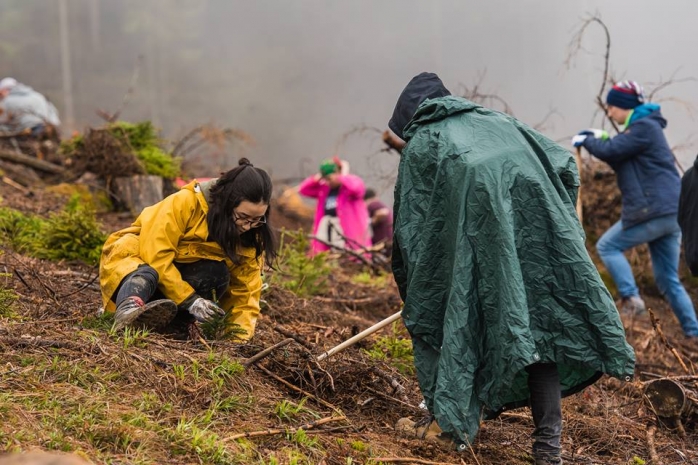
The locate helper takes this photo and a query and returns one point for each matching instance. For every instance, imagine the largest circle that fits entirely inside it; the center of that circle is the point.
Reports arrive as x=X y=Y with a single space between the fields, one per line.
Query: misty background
x=311 y=78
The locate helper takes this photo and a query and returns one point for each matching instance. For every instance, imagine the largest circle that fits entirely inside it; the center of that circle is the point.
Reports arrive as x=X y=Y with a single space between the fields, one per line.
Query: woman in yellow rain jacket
x=200 y=250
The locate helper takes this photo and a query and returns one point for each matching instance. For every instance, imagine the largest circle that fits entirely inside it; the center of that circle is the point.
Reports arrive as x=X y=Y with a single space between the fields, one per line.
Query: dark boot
x=133 y=312
x=426 y=429
x=157 y=315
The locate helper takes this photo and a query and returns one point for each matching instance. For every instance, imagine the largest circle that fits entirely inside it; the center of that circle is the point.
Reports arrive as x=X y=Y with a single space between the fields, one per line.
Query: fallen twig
x=657 y=327
x=394 y=383
x=81 y=288
x=270 y=432
x=297 y=389
x=654 y=457
x=260 y=355
x=294 y=336
x=21 y=278
x=406 y=404
x=32 y=162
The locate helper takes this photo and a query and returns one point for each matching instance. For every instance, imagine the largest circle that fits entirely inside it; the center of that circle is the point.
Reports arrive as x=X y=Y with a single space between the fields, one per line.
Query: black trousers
x=546 y=407
x=207 y=277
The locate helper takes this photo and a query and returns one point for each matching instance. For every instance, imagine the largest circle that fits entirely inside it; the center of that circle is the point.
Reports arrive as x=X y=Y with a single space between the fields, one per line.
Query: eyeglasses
x=253 y=222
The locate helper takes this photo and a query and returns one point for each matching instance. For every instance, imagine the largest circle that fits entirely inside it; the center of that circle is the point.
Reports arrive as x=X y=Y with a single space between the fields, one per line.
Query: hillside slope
x=68 y=383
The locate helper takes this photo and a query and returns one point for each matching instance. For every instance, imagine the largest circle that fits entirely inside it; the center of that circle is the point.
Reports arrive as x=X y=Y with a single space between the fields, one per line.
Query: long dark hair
x=244 y=182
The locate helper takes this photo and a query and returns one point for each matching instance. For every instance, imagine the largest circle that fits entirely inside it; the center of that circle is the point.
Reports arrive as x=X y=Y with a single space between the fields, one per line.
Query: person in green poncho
x=503 y=303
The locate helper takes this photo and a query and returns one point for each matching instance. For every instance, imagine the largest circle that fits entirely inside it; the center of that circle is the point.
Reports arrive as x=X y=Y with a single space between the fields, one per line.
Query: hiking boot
x=157 y=315
x=632 y=305
x=426 y=429
x=135 y=313
x=127 y=311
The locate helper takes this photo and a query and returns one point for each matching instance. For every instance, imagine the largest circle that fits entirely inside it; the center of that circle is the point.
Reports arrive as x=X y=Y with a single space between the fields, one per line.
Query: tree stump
x=134 y=193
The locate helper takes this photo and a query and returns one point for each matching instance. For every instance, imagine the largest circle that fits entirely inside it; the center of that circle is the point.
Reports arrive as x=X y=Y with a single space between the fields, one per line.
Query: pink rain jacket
x=351 y=209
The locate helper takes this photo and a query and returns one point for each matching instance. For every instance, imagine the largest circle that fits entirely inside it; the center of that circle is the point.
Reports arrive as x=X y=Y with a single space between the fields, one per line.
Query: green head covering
x=328 y=167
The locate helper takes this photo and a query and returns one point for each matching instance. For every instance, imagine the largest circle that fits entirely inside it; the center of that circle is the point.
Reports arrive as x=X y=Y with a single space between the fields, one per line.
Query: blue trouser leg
x=611 y=247
x=546 y=408
x=665 y=265
x=663 y=236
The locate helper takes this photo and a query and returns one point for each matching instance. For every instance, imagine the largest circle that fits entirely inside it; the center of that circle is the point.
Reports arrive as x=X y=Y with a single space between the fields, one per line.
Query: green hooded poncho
x=491 y=264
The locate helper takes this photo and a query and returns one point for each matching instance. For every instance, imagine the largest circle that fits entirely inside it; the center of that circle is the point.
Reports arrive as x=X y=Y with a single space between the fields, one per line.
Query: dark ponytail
x=245 y=182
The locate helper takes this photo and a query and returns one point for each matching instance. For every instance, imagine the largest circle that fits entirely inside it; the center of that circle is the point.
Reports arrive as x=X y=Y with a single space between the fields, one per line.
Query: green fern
x=72 y=234
x=19 y=231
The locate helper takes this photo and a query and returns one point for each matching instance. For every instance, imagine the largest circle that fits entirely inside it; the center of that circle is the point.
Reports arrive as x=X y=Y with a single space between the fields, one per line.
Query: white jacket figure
x=24 y=108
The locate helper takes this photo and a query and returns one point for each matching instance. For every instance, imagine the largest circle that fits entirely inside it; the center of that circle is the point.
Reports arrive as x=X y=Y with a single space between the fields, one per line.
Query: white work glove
x=579 y=139
x=597 y=133
x=204 y=310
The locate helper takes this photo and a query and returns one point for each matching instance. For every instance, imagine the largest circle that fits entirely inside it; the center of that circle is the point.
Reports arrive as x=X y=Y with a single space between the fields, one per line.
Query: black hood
x=423 y=86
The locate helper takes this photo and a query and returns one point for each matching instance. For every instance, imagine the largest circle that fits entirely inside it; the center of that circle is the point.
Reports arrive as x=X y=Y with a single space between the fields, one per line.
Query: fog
x=299 y=75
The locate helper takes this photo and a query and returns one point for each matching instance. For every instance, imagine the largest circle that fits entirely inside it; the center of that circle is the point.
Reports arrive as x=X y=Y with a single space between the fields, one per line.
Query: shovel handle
x=353 y=340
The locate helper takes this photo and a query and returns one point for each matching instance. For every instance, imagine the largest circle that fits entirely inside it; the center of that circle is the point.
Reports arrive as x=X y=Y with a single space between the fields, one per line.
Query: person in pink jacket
x=341 y=217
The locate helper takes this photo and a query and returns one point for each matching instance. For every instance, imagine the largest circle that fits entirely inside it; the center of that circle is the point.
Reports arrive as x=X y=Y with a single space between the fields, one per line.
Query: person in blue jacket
x=649 y=184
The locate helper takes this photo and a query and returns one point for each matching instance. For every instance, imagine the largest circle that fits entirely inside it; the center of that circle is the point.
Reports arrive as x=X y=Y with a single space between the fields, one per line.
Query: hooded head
x=421 y=87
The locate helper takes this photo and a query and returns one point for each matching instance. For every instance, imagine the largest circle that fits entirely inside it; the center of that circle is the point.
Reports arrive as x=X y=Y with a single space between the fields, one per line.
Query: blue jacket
x=644 y=164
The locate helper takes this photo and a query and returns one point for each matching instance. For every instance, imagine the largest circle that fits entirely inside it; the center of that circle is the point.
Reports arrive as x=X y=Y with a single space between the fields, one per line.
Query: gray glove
x=204 y=310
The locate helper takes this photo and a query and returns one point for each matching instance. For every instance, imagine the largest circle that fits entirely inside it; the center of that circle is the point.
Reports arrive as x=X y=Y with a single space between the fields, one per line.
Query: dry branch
x=296 y=337
x=474 y=94
x=297 y=389
x=654 y=457
x=111 y=118
x=657 y=327
x=32 y=162
x=354 y=254
x=358 y=130
x=576 y=45
x=265 y=352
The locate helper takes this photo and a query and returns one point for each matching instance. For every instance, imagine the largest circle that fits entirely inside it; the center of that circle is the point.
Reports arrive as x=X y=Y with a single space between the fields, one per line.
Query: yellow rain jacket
x=175 y=230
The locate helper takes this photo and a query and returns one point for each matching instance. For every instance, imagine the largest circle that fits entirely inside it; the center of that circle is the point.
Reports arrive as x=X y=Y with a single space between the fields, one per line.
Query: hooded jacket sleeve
x=310 y=187
x=241 y=299
x=621 y=147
